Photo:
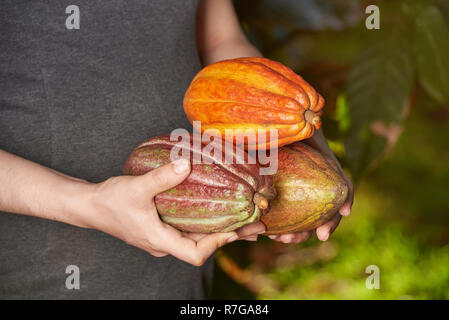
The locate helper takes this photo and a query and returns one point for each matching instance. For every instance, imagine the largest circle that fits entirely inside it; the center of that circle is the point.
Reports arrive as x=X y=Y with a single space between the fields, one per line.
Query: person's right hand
x=124 y=208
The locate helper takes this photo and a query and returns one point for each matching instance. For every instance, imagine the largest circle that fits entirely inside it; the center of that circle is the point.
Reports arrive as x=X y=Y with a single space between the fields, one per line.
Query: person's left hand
x=249 y=232
x=324 y=231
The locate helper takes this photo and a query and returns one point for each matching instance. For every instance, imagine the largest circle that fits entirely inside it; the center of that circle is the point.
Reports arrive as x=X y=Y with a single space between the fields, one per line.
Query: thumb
x=194 y=252
x=165 y=177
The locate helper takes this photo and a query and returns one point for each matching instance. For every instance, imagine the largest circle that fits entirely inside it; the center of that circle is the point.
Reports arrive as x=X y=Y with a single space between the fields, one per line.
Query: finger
x=158 y=254
x=198 y=252
x=345 y=209
x=194 y=236
x=248 y=232
x=244 y=232
x=323 y=232
x=287 y=238
x=190 y=251
x=302 y=236
x=251 y=229
x=296 y=237
x=250 y=238
x=165 y=177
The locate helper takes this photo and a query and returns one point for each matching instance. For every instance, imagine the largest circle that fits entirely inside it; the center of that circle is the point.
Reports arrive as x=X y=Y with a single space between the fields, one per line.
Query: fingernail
x=232 y=239
x=345 y=210
x=258 y=228
x=272 y=237
x=181 y=166
x=287 y=238
x=325 y=237
x=253 y=238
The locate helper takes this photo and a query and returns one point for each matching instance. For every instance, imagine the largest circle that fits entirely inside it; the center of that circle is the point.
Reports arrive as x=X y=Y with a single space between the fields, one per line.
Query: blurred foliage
x=373 y=71
x=399 y=222
x=432 y=53
x=386 y=118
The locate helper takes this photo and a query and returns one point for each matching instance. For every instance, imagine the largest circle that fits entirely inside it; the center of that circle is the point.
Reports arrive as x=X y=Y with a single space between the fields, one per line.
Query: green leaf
x=413 y=8
x=444 y=6
x=378 y=89
x=342 y=113
x=431 y=49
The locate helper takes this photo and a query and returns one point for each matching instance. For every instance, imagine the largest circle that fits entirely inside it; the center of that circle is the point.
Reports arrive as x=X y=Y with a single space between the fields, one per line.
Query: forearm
x=229 y=49
x=31 y=189
x=218 y=33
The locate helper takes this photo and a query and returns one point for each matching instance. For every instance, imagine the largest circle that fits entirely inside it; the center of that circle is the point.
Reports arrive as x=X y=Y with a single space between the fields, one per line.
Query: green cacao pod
x=215 y=197
x=309 y=189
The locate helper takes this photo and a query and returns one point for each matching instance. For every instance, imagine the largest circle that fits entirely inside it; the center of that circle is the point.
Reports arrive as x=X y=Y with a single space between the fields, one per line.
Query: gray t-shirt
x=79 y=101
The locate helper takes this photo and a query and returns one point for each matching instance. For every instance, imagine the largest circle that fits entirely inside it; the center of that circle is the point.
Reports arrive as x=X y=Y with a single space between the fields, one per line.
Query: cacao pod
x=309 y=188
x=215 y=197
x=254 y=94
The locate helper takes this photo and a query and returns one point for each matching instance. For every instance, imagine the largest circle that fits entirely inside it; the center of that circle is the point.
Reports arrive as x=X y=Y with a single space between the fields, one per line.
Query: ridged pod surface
x=309 y=191
x=215 y=197
x=256 y=94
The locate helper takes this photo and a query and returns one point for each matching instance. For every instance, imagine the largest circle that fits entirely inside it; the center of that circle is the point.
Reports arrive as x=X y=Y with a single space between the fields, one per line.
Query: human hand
x=124 y=208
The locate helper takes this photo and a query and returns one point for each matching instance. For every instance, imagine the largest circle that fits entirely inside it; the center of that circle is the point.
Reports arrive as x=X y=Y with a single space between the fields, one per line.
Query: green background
x=387 y=120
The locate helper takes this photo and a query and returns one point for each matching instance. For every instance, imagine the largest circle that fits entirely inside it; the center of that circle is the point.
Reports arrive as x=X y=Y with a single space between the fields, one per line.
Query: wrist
x=76 y=202
x=319 y=142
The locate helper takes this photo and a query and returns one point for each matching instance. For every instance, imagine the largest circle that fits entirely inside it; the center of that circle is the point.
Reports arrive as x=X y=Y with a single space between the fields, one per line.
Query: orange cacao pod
x=257 y=94
x=309 y=189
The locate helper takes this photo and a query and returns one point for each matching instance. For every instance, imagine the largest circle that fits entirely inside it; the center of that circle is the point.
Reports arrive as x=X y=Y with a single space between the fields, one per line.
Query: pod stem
x=260 y=201
x=312 y=117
